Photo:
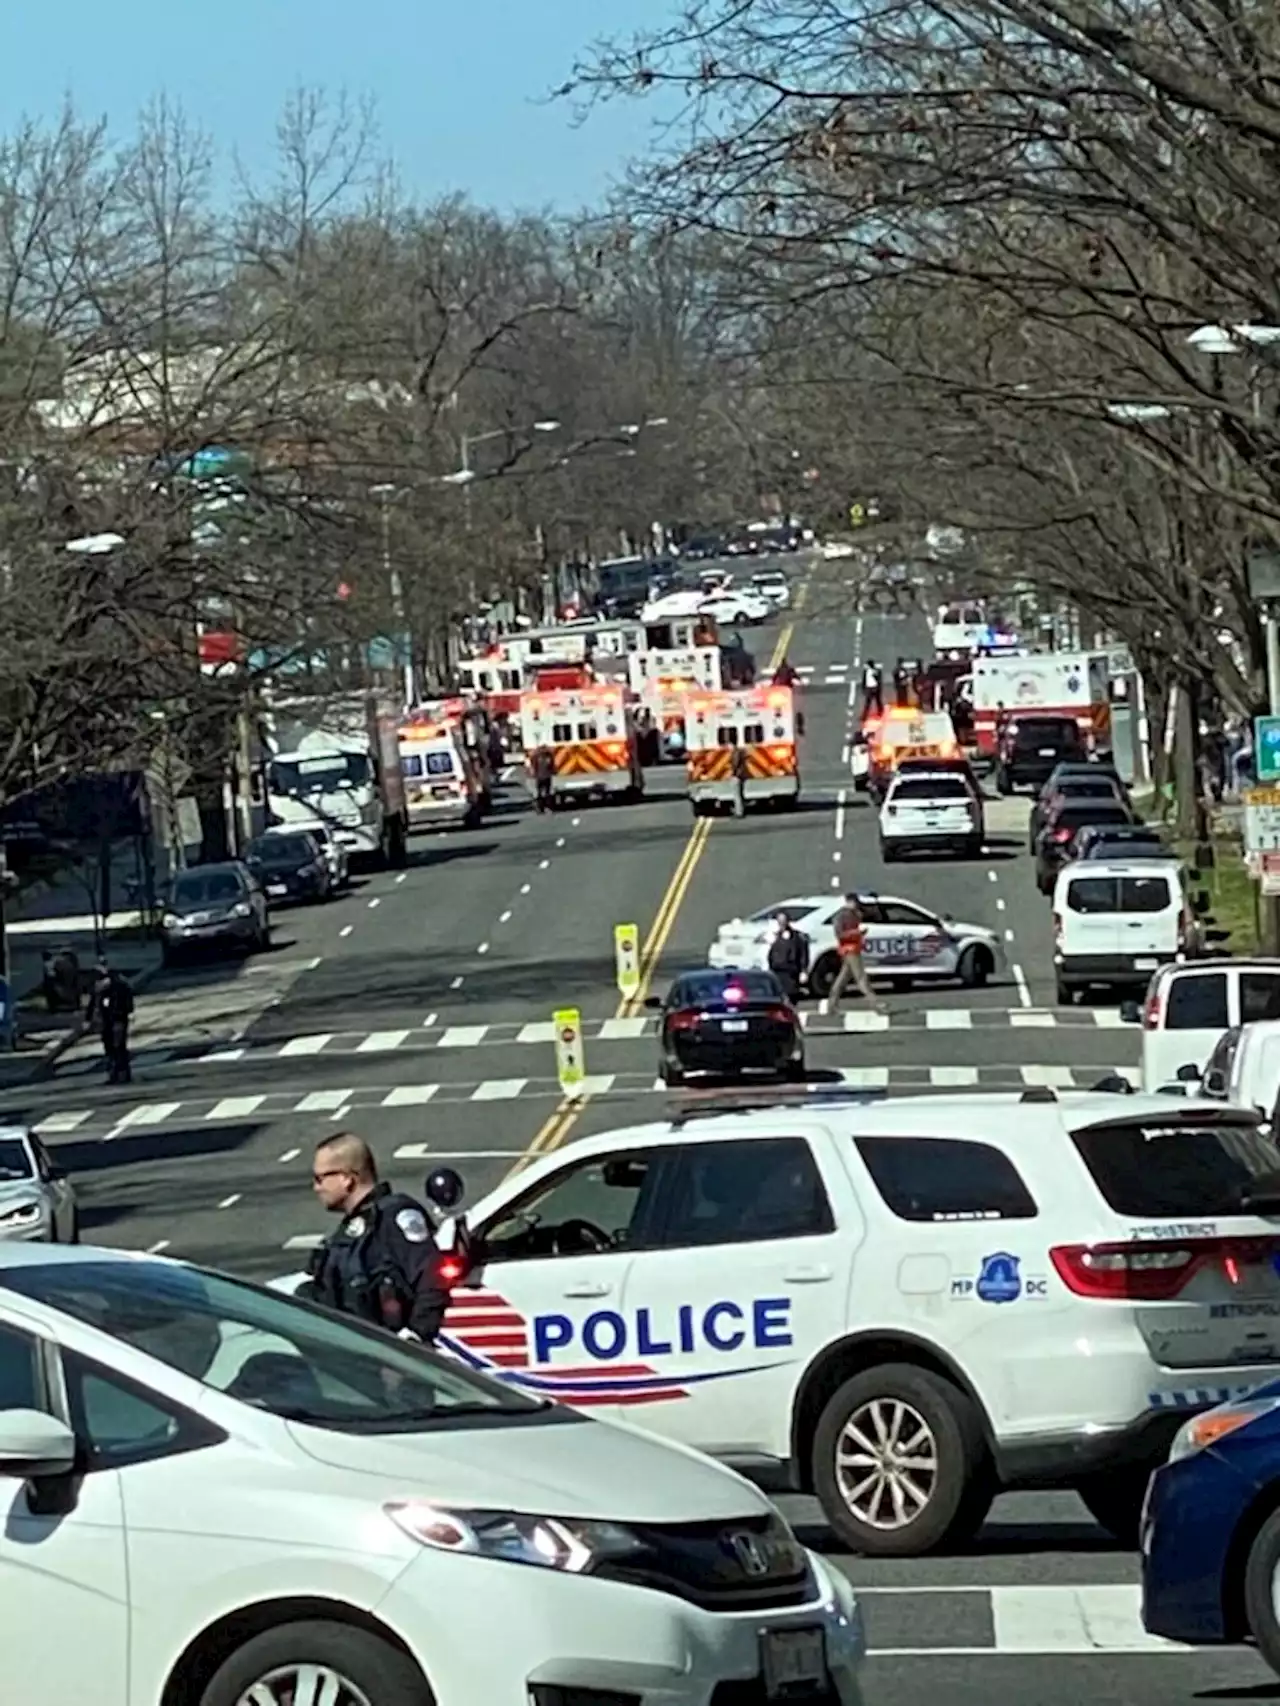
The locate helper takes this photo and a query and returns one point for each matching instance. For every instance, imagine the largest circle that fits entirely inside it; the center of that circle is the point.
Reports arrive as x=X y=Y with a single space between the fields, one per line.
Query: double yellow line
x=553 y=1131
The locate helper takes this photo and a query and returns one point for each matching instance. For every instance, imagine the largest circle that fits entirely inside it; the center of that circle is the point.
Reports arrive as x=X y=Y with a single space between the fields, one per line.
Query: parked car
x=335 y=854
x=290 y=867
x=219 y=906
x=1054 y=844
x=1121 y=841
x=37 y=1200
x=1074 y=786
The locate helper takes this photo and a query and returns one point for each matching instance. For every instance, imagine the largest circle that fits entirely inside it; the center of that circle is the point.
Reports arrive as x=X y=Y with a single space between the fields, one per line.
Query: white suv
x=924 y=812
x=901 y=1306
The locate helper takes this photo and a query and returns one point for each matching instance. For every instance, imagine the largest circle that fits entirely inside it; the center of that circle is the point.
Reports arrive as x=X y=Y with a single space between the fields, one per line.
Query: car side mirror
x=1215 y=1082
x=1189 y=1074
x=444 y=1188
x=1130 y=1013
x=35 y=1446
x=653 y=1003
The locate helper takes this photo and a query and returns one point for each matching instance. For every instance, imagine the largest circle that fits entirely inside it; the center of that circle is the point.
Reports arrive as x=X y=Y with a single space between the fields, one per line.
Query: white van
x=1188 y=1007
x=1243 y=1069
x=1117 y=921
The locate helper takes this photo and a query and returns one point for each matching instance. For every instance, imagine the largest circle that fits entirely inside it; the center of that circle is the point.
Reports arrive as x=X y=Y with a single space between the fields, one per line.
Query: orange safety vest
x=851 y=941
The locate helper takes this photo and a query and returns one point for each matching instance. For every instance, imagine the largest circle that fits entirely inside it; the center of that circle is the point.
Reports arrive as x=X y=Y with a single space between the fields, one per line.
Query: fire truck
x=591 y=733
x=742 y=750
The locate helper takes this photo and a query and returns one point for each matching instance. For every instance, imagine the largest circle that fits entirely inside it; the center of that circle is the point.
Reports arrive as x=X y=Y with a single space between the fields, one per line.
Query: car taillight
x=1057 y=929
x=681 y=1021
x=1153 y=1273
x=1062 y=836
x=1151 y=1012
x=780 y=1015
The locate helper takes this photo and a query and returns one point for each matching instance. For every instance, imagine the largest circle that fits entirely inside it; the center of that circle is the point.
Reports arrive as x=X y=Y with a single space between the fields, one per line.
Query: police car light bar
x=839 y=1095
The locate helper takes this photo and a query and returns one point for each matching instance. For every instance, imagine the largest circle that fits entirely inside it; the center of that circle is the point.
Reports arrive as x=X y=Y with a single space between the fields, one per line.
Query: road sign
x=626 y=953
x=1266 y=748
x=571 y=1067
x=1261 y=820
x=857 y=515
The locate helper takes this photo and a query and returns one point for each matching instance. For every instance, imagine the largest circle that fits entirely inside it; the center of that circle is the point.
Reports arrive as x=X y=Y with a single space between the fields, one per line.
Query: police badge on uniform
x=413 y=1223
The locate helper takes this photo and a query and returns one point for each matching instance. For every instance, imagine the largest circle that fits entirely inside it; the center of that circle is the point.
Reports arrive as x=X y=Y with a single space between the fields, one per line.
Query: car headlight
x=241 y=909
x=172 y=920
x=22 y=1214
x=553 y=1543
x=1207 y=1429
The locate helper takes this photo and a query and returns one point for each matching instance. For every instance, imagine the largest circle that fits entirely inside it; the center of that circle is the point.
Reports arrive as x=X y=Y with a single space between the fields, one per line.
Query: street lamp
x=1228 y=340
x=385 y=492
x=464 y=474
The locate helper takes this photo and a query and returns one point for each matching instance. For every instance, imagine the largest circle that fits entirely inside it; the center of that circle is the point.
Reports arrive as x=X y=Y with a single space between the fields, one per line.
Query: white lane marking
x=498 y=1089
x=67 y=1120
x=289 y=1155
x=841 y=797
x=1032 y=1021
x=597 y=1084
x=614 y=1030
x=999 y=903
x=525 y=887
x=379 y=1042
x=560 y=843
x=376 y=901
x=539 y=1031
x=544 y=864
x=1008 y=935
x=216 y=1055
x=152 y=1113
x=504 y=917
x=865 y=1077
x=428 y=1021
x=306 y=1045
x=236 y=1107
x=1049 y=1077
x=1110 y=1019
x=346 y=930
x=456 y=984
x=324 y=1101
x=231 y=1201
x=483 y=948
x=844 y=753
x=992 y=877
x=835 y=882
x=158 y=1248
x=574 y=822
x=409 y=1096
x=1020 y=978
x=425 y=1152
x=866 y=1021
x=836 y=857
x=953 y=1077
x=402 y=876
x=303 y=1241
x=1057 y=1619
x=462 y=1036
x=948 y=1019
x=853 y=695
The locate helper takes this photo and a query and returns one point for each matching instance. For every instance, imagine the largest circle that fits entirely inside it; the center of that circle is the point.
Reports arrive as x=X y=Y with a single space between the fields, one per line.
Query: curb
x=44 y=1064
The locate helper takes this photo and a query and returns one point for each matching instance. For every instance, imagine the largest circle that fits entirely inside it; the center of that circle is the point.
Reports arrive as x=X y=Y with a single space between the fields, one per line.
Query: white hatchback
x=213 y=1494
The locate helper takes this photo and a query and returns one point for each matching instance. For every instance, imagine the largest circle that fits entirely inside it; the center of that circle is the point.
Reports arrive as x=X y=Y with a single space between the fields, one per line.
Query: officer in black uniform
x=380 y=1264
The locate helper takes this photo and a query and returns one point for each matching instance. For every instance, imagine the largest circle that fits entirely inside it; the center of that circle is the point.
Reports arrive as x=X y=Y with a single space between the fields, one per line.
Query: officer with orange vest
x=851 y=941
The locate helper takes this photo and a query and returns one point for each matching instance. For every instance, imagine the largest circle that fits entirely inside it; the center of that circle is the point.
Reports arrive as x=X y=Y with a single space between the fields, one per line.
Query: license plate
x=1144 y=965
x=1047 y=752
x=791 y=1659
x=442 y=793
x=277 y=888
x=733 y=1025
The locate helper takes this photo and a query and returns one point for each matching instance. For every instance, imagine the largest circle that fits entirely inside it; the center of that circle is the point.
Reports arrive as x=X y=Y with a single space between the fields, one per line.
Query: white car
x=217 y=1495
x=924 y=812
x=731 y=607
x=899 y=1305
x=773 y=587
x=904 y=942
x=1189 y=1008
x=37 y=1200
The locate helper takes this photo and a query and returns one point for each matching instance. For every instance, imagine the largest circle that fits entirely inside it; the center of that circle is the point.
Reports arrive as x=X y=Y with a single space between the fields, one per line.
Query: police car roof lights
x=1039 y=1093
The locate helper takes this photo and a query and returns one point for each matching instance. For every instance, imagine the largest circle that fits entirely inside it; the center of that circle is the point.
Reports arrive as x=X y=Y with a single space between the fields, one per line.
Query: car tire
x=1261 y=1573
x=75 y=1227
x=888 y=854
x=1066 y=995
x=671 y=1076
x=371 y=1666
x=962 y=1485
x=1114 y=1498
x=976 y=966
x=795 y=1072
x=822 y=975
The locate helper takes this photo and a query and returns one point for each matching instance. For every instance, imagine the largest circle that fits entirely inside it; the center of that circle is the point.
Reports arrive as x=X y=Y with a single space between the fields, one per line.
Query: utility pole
x=8 y=1029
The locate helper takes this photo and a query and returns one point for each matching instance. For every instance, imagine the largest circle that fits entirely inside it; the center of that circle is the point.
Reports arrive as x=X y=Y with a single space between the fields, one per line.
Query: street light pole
x=384 y=494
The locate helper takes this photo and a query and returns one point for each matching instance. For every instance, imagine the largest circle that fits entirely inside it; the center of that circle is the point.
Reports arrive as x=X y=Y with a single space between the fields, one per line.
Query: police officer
x=380 y=1263
x=111 y=1008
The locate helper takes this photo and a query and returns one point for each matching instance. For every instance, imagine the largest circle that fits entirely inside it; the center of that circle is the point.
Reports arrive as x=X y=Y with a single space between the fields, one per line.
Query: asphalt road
x=417 y=1010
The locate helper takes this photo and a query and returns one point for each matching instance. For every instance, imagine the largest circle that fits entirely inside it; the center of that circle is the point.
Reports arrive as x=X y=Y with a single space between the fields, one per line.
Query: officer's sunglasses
x=331 y=1173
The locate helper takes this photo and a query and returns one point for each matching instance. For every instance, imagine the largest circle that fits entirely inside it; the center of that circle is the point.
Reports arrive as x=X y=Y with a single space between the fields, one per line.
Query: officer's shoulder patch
x=413 y=1223
x=355 y=1228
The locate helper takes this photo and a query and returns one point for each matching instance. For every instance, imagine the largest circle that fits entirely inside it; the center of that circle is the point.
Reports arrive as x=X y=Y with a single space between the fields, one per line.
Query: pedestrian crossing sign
x=626 y=952
x=571 y=1066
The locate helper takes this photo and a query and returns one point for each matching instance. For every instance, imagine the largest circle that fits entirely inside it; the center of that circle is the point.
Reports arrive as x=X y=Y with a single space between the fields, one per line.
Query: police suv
x=900 y=1306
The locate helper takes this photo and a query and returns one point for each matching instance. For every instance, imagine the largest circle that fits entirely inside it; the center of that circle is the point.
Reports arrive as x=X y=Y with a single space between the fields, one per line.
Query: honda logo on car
x=606 y=1334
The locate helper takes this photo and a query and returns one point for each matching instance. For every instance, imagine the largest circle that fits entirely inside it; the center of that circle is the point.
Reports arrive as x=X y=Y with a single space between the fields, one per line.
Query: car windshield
x=265 y=1349
x=707 y=989
x=15 y=1160
x=329 y=774
x=205 y=888
x=279 y=850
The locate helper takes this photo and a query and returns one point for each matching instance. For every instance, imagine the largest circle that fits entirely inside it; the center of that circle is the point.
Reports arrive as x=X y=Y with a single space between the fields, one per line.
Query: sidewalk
x=42 y=1037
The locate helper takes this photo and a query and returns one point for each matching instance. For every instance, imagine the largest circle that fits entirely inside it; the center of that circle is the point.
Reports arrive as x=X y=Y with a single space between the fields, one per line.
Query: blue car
x=1210 y=1533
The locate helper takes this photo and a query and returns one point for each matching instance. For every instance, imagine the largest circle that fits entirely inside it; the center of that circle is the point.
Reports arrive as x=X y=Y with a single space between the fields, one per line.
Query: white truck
x=335 y=760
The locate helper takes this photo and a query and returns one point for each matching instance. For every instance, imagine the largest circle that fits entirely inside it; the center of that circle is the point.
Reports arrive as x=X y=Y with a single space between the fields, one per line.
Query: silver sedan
x=37 y=1202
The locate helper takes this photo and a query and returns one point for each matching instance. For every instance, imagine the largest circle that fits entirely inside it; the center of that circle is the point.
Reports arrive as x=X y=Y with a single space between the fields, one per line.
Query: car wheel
x=1262 y=1590
x=888 y=854
x=1114 y=1500
x=1003 y=784
x=899 y=1463
x=322 y=1661
x=795 y=1071
x=73 y=1237
x=1066 y=995
x=671 y=1076
x=976 y=966
x=822 y=974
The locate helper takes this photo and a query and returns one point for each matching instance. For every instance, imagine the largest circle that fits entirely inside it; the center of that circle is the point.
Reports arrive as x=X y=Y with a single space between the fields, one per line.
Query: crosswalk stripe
x=865 y=1077
x=598 y=1084
x=1032 y=1021
x=617 y=1030
x=67 y=1120
x=953 y=1077
x=499 y=1089
x=463 y=1036
x=409 y=1096
x=948 y=1019
x=216 y=1056
x=411 y=1152
x=305 y=1045
x=380 y=1042
x=541 y=1031
x=1086 y=1619
x=1049 y=1077
x=303 y=1241
x=323 y=1101
x=150 y=1113
x=236 y=1107
x=866 y=1021
x=1111 y=1019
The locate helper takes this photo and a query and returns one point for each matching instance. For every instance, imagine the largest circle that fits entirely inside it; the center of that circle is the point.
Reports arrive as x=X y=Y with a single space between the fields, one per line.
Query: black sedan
x=289 y=867
x=1055 y=845
x=728 y=1024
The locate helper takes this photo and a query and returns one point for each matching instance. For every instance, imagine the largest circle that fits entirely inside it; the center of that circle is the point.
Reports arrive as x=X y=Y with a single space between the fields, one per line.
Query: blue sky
x=458 y=87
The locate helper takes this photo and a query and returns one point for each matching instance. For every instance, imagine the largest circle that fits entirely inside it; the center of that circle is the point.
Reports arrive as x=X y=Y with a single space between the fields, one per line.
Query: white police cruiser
x=901 y=1306
x=905 y=942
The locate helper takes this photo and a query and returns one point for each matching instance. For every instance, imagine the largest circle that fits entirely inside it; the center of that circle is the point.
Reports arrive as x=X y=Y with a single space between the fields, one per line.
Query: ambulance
x=662 y=681
x=590 y=730
x=904 y=732
x=761 y=723
x=445 y=779
x=1042 y=684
